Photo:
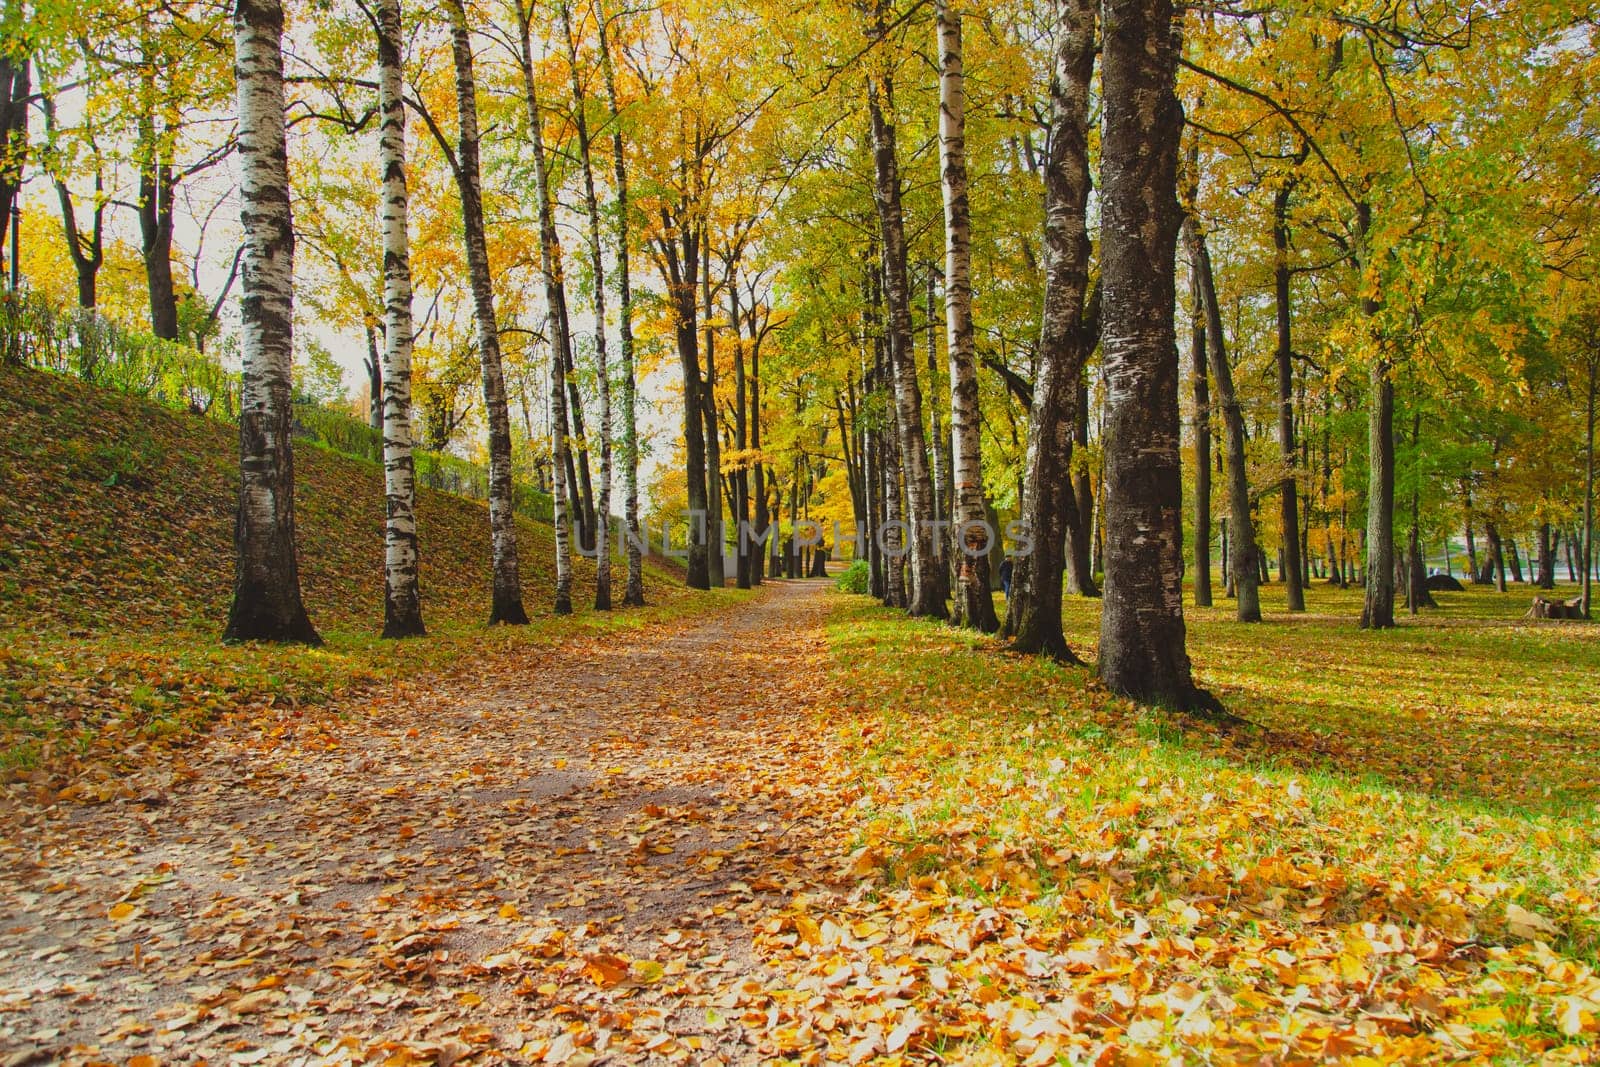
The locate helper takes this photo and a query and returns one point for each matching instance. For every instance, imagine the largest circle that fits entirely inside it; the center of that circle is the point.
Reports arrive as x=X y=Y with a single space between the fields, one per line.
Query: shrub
x=856 y=578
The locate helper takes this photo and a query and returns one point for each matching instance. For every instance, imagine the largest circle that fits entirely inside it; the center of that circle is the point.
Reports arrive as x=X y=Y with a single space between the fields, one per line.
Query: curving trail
x=563 y=860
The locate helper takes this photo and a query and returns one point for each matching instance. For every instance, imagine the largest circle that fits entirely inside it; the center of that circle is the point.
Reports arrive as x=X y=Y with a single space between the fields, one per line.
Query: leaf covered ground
x=1396 y=862
x=116 y=528
x=781 y=827
x=801 y=828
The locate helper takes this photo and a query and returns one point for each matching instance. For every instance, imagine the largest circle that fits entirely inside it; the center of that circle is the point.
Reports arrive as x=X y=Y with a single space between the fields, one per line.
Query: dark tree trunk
x=86 y=249
x=682 y=259
x=927 y=593
x=1289 y=510
x=1516 y=561
x=1202 y=443
x=1473 y=574
x=156 y=189
x=1080 y=516
x=716 y=556
x=1247 y=560
x=758 y=469
x=507 y=580
x=15 y=90
x=1142 y=646
x=741 y=441
x=1377 y=611
x=1497 y=555
x=1033 y=611
x=1547 y=558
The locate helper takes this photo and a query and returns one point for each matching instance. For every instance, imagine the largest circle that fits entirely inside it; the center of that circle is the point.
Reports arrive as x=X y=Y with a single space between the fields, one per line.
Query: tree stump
x=1551 y=608
x=1443 y=583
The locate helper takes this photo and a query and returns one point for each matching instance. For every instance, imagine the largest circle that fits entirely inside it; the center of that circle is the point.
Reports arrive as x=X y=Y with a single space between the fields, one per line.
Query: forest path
x=563 y=860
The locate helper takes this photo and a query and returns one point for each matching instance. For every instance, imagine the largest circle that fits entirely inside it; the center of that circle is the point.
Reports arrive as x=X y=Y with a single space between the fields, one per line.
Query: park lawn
x=1396 y=860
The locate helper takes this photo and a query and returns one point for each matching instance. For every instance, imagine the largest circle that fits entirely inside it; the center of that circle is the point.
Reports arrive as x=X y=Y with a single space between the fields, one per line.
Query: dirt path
x=562 y=862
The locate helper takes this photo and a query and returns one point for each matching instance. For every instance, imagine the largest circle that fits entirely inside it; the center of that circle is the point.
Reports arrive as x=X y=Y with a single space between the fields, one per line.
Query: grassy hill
x=116 y=569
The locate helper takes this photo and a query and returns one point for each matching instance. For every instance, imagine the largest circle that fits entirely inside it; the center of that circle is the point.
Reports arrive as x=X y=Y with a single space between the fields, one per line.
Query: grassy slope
x=1363 y=854
x=116 y=571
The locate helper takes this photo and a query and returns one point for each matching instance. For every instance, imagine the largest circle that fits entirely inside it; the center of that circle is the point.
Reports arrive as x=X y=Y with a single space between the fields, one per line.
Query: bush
x=856 y=578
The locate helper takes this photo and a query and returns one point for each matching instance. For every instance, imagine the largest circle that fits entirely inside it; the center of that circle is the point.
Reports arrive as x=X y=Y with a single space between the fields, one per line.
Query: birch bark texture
x=602 y=526
x=633 y=592
x=973 y=602
x=402 y=598
x=507 y=582
x=1142 y=652
x=927 y=593
x=550 y=272
x=266 y=587
x=1033 y=619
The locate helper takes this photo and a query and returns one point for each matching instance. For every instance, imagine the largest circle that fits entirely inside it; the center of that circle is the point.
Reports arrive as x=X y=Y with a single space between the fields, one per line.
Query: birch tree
x=555 y=295
x=633 y=594
x=974 y=604
x=591 y=206
x=927 y=593
x=1033 y=618
x=266 y=586
x=1142 y=653
x=507 y=607
x=402 y=602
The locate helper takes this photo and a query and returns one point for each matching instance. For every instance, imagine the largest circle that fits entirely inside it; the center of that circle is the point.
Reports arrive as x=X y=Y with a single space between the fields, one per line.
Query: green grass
x=1419 y=780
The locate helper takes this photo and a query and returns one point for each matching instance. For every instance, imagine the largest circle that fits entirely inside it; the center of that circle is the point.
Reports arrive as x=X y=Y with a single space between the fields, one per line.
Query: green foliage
x=338 y=430
x=89 y=346
x=856 y=578
x=318 y=376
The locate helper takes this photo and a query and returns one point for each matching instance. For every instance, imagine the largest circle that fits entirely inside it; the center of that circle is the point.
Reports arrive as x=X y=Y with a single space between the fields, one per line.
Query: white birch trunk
x=402 y=599
x=974 y=604
x=633 y=596
x=266 y=589
x=556 y=304
x=507 y=607
x=602 y=532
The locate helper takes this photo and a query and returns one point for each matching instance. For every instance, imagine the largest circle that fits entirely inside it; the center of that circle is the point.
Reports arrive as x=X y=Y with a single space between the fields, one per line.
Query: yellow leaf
x=606 y=971
x=647 y=971
x=1527 y=924
x=121 y=912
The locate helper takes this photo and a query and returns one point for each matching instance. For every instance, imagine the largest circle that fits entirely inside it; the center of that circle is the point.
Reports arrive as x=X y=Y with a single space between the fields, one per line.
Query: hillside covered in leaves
x=116 y=568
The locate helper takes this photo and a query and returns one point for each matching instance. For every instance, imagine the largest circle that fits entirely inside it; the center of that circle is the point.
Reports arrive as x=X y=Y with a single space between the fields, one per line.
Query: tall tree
x=591 y=204
x=86 y=249
x=633 y=594
x=927 y=594
x=1377 y=610
x=555 y=296
x=16 y=84
x=1142 y=653
x=402 y=601
x=1288 y=500
x=1246 y=554
x=1033 y=616
x=507 y=582
x=1202 y=441
x=266 y=585
x=973 y=602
